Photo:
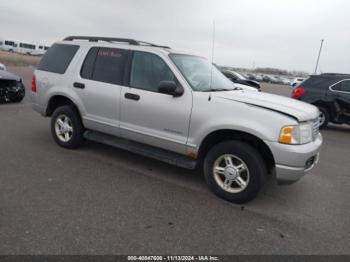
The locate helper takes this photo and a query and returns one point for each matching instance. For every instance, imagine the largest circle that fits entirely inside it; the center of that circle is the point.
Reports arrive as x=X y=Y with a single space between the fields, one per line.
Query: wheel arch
x=222 y=135
x=57 y=101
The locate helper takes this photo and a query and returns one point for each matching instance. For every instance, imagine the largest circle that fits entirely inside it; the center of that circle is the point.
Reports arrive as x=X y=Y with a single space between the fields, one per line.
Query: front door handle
x=132 y=96
x=79 y=85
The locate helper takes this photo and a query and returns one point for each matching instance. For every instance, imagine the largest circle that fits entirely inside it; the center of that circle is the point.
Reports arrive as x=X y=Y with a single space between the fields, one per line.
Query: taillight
x=298 y=92
x=33 y=84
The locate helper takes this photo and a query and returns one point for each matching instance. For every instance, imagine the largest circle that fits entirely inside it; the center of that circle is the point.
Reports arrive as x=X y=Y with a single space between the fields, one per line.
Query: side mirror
x=170 y=88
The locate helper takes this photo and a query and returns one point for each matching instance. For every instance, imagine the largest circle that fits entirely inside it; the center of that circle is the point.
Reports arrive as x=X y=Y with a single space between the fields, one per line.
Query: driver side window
x=148 y=70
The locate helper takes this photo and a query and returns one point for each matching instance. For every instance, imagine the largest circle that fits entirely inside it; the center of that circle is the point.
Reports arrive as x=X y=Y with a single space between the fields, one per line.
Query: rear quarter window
x=57 y=58
x=105 y=65
x=316 y=83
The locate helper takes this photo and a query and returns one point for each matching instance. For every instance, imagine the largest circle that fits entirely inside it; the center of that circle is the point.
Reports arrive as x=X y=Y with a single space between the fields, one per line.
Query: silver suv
x=175 y=107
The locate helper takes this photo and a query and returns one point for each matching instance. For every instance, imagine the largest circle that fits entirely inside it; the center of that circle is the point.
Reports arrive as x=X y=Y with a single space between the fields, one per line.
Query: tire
x=252 y=172
x=70 y=123
x=324 y=117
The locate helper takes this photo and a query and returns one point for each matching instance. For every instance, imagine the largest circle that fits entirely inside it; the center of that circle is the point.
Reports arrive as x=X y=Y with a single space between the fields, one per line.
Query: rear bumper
x=295 y=161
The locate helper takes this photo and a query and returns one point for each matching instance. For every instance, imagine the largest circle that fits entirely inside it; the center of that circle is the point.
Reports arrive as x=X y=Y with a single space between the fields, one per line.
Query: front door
x=148 y=116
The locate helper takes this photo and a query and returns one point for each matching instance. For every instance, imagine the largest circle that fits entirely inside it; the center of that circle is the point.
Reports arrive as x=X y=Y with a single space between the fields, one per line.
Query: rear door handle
x=79 y=85
x=132 y=96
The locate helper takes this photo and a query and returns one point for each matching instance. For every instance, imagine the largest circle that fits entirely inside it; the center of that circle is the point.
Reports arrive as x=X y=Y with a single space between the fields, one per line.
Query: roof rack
x=106 y=39
x=334 y=74
x=112 y=39
x=153 y=45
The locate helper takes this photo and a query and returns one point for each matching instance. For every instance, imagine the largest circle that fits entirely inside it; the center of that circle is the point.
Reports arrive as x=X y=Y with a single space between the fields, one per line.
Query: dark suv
x=330 y=93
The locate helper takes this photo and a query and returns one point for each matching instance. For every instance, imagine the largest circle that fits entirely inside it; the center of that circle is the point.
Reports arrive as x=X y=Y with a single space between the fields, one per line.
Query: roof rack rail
x=153 y=45
x=112 y=39
x=334 y=74
x=106 y=39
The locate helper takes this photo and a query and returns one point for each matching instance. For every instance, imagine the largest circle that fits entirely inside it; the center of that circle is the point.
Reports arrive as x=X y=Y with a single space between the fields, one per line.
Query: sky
x=283 y=34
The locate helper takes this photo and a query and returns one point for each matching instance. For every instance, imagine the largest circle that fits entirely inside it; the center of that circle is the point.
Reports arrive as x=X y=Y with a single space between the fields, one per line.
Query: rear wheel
x=67 y=128
x=324 y=117
x=234 y=171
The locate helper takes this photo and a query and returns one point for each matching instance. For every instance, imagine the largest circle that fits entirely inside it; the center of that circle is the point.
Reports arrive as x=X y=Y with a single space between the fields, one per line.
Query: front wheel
x=324 y=117
x=67 y=128
x=234 y=171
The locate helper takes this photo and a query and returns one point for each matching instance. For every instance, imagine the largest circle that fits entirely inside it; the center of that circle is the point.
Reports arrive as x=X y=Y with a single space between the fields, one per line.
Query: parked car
x=297 y=81
x=2 y=67
x=330 y=93
x=251 y=76
x=270 y=79
x=259 y=78
x=238 y=78
x=11 y=87
x=175 y=107
x=286 y=81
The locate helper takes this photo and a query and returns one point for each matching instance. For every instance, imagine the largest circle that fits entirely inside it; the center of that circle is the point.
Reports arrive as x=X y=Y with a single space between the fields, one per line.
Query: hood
x=297 y=109
x=4 y=75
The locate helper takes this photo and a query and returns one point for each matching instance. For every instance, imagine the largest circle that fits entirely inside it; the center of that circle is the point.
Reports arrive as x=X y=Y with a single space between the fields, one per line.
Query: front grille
x=315 y=128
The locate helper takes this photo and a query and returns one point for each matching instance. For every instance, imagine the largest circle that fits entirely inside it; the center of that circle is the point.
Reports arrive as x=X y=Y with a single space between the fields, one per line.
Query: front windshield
x=201 y=74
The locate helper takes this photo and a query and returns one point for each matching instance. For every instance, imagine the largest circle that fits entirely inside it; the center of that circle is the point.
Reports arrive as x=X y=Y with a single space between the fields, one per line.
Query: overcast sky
x=263 y=33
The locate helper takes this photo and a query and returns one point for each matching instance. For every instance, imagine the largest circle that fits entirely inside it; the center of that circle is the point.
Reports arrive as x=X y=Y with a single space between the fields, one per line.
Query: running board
x=142 y=149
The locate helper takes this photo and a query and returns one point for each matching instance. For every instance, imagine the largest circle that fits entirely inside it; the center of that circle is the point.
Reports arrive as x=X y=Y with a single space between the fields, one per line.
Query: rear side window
x=58 y=58
x=343 y=86
x=105 y=65
x=317 y=82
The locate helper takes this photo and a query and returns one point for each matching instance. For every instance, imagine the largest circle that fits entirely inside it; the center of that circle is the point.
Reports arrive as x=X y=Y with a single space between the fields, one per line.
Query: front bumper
x=295 y=161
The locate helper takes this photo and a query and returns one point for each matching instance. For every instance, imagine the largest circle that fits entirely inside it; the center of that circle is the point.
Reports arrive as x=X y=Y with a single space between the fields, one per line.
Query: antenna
x=212 y=58
x=319 y=55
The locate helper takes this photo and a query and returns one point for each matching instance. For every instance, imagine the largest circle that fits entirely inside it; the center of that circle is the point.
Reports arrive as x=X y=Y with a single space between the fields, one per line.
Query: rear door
x=341 y=93
x=151 y=117
x=98 y=86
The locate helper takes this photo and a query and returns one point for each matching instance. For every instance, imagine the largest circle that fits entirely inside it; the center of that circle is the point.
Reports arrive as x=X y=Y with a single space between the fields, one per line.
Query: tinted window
x=88 y=66
x=317 y=82
x=338 y=87
x=342 y=86
x=58 y=58
x=346 y=86
x=148 y=70
x=28 y=46
x=11 y=43
x=105 y=65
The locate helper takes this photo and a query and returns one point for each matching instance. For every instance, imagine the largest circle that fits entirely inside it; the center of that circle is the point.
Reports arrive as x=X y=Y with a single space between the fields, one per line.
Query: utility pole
x=319 y=55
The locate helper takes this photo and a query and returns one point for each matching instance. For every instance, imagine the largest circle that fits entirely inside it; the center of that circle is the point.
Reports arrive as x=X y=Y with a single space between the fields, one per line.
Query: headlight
x=296 y=135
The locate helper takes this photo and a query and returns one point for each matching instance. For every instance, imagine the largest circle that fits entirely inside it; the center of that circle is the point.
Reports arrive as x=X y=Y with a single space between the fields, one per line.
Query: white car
x=2 y=67
x=297 y=81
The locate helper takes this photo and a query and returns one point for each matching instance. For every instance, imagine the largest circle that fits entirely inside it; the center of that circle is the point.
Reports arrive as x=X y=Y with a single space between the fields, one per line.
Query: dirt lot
x=13 y=59
x=100 y=200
